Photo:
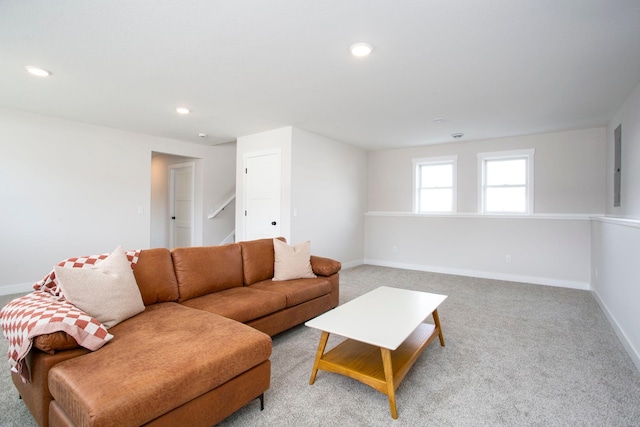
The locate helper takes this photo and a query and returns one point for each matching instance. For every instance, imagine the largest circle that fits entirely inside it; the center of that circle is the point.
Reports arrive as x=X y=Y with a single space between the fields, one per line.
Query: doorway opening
x=173 y=201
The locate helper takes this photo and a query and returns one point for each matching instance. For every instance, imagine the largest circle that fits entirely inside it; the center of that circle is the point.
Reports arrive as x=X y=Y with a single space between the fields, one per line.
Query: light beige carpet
x=515 y=354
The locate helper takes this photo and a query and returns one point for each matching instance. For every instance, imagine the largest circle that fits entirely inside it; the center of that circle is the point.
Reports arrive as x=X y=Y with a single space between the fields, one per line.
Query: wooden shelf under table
x=380 y=368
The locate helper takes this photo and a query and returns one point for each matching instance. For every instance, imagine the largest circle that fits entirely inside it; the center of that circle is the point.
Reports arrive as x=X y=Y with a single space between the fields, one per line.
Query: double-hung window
x=506 y=182
x=435 y=184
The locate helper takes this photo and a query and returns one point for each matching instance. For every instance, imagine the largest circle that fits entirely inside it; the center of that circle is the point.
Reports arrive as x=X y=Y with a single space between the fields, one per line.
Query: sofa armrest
x=324 y=266
x=54 y=342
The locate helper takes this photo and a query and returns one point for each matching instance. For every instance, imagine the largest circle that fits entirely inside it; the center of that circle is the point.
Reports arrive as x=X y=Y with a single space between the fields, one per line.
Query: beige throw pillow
x=108 y=291
x=292 y=262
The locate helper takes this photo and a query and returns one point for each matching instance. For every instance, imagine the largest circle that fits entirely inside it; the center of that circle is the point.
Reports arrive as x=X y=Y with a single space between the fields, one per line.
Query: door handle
x=173 y=217
x=273 y=223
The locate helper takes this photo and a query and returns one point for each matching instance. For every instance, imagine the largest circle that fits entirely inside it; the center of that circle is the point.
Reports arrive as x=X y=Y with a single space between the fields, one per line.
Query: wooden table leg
x=388 y=375
x=321 y=346
x=436 y=321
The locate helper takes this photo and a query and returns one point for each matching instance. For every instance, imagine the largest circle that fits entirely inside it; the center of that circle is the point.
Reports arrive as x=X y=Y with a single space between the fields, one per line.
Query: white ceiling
x=493 y=68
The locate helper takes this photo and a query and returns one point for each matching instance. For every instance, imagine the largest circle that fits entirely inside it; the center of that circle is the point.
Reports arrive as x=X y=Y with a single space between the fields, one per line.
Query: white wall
x=542 y=250
x=615 y=275
x=552 y=247
x=629 y=117
x=71 y=189
x=160 y=199
x=218 y=183
x=569 y=172
x=328 y=193
x=324 y=180
x=616 y=278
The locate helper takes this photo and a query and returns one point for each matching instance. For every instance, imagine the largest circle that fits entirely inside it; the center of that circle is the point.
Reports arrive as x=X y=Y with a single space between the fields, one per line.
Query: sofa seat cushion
x=242 y=304
x=296 y=291
x=158 y=360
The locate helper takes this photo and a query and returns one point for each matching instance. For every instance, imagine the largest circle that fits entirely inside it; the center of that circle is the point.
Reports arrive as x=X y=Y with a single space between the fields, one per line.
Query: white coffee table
x=386 y=334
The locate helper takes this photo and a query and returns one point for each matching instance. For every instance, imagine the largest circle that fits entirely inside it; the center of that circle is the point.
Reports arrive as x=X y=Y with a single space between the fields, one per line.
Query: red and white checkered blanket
x=46 y=311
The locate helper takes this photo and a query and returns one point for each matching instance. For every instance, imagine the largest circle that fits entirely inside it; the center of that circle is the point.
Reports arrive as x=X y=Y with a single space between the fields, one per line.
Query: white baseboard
x=633 y=352
x=484 y=274
x=351 y=264
x=21 y=288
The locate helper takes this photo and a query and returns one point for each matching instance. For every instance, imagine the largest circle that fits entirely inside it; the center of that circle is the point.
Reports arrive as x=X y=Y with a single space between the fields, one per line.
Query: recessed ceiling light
x=440 y=119
x=457 y=135
x=183 y=110
x=361 y=49
x=202 y=135
x=37 y=71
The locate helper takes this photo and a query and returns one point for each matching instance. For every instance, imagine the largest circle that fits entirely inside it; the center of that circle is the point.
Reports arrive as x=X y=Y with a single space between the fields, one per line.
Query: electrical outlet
x=507 y=258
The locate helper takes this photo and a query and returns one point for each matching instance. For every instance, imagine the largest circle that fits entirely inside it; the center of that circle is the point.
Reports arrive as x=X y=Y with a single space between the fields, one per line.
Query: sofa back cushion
x=258 y=260
x=206 y=269
x=155 y=276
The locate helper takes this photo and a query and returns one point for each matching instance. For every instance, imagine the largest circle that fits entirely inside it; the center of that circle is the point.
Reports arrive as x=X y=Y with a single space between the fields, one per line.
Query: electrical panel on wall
x=617 y=165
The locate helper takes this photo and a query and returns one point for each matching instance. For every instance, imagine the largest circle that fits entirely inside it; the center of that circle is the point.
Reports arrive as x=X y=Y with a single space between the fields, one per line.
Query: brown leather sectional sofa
x=199 y=351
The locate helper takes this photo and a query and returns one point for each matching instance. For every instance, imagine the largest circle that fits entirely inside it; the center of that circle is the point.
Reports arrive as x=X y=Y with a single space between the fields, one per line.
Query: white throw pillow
x=108 y=291
x=292 y=262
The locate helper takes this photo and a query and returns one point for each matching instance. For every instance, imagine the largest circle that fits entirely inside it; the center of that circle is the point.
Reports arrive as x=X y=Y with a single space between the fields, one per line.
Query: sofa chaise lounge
x=197 y=353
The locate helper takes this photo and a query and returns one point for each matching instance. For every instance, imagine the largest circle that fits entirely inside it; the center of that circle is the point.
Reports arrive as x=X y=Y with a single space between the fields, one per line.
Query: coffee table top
x=384 y=317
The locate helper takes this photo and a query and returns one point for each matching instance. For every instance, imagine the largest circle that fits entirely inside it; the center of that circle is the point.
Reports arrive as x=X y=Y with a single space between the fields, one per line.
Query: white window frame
x=432 y=161
x=528 y=155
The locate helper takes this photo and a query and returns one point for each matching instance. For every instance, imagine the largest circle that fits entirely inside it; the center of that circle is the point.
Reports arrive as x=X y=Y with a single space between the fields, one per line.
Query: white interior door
x=262 y=195
x=181 y=198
